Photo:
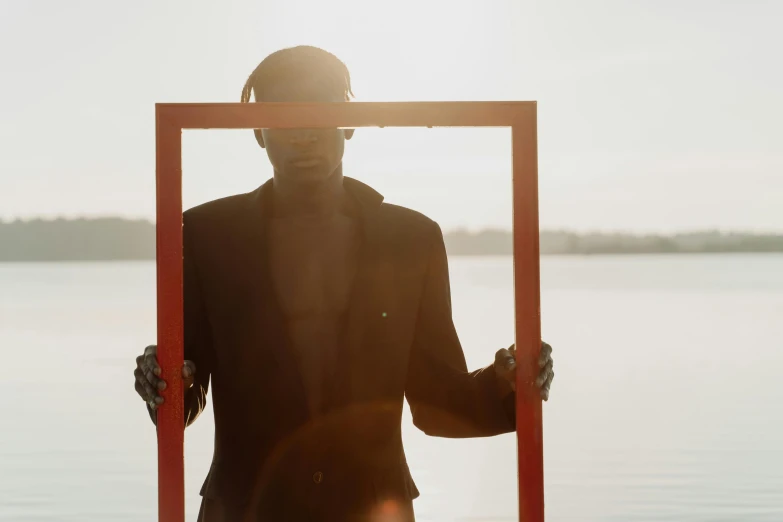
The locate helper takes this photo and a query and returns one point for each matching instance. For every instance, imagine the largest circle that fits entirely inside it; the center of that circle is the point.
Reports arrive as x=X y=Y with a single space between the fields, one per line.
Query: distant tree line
x=499 y=242
x=100 y=239
x=103 y=239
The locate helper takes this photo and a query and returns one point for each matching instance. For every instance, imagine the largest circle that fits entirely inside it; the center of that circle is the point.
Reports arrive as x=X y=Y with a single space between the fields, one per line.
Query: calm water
x=668 y=402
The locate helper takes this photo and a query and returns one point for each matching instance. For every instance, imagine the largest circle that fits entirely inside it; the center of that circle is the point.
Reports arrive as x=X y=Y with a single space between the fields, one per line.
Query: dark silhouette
x=116 y=239
x=314 y=308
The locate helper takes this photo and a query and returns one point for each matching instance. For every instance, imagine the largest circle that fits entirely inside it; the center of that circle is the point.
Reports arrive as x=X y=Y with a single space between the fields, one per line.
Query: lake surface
x=667 y=406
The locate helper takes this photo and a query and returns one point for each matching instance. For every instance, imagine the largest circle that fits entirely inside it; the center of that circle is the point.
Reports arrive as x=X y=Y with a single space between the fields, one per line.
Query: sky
x=654 y=115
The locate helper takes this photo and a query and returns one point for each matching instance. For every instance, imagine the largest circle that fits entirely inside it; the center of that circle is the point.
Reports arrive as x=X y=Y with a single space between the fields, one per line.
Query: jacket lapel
x=373 y=280
x=273 y=340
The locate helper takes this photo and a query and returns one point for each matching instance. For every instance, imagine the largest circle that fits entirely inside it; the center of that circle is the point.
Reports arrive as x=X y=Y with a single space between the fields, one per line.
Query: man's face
x=304 y=156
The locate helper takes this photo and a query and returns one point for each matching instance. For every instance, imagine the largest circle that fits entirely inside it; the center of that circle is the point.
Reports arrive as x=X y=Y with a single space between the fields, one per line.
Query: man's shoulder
x=222 y=207
x=219 y=220
x=406 y=227
x=390 y=215
x=406 y=217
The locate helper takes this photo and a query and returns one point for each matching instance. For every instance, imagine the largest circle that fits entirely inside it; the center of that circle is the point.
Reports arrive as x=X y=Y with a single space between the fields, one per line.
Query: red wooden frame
x=520 y=116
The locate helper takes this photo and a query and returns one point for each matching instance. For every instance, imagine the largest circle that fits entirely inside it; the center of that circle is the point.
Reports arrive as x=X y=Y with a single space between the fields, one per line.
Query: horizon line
x=457 y=229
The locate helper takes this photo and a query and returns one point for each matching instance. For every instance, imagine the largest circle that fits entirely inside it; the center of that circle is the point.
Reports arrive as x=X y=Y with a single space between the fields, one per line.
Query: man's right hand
x=148 y=381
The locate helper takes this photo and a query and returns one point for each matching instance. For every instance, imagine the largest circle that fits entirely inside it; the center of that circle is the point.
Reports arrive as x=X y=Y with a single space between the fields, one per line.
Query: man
x=314 y=308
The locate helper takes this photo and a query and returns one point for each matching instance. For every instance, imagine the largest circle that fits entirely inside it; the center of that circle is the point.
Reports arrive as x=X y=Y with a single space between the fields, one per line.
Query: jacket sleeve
x=445 y=399
x=197 y=333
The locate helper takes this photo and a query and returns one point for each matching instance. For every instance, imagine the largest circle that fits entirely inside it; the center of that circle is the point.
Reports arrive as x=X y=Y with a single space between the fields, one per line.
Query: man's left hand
x=506 y=368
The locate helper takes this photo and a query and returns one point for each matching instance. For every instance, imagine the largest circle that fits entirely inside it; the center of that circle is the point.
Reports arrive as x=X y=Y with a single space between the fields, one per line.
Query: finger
x=148 y=373
x=151 y=371
x=505 y=360
x=151 y=365
x=188 y=372
x=152 y=403
x=151 y=359
x=140 y=389
x=545 y=356
x=509 y=366
x=188 y=369
x=150 y=394
x=138 y=375
x=543 y=375
x=153 y=380
x=545 y=388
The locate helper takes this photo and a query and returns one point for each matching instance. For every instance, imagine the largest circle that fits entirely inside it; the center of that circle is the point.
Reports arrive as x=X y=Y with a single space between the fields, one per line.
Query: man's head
x=301 y=74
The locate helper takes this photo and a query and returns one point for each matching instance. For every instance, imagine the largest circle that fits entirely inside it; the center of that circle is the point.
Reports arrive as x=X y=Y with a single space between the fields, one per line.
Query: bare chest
x=313 y=264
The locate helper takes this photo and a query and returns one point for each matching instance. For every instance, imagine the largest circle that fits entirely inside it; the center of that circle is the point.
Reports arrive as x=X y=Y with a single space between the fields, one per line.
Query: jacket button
x=318 y=477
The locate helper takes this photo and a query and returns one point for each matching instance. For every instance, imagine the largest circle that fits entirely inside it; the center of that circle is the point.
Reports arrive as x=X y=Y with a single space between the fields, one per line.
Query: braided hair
x=297 y=62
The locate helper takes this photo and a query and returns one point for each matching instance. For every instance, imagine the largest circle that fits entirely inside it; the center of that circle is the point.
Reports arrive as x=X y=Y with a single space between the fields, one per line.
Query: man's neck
x=318 y=200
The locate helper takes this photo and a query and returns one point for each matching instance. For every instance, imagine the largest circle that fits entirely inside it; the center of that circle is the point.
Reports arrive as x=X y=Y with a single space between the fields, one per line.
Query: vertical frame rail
x=530 y=441
x=168 y=253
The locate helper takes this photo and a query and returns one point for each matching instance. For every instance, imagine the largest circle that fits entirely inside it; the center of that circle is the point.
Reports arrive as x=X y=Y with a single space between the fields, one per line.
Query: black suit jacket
x=272 y=459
